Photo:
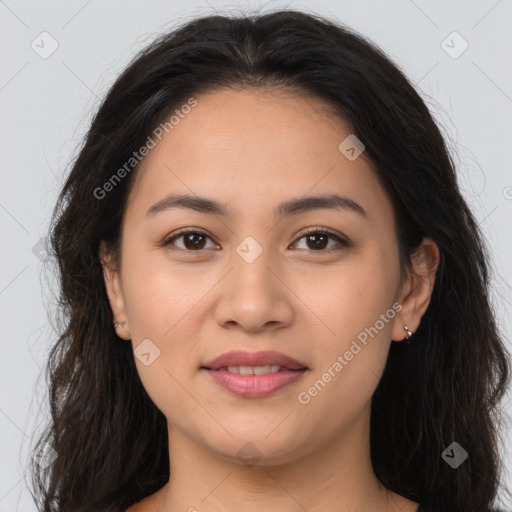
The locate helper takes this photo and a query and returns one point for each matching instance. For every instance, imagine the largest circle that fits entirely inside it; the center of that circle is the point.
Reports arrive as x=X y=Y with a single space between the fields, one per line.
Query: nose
x=254 y=297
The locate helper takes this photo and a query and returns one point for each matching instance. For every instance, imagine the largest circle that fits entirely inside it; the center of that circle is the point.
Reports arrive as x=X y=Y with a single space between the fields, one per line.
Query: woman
x=261 y=206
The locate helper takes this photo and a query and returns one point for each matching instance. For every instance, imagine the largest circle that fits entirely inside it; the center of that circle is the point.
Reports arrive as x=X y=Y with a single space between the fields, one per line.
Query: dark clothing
x=424 y=508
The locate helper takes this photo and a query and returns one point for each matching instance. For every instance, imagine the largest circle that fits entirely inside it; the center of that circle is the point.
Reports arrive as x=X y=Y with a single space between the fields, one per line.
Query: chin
x=258 y=446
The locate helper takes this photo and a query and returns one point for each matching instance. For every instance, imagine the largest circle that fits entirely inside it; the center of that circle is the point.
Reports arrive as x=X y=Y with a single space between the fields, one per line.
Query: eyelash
x=317 y=230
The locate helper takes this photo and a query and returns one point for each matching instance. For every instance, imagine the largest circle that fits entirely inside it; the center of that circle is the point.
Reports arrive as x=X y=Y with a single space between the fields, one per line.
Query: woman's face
x=251 y=279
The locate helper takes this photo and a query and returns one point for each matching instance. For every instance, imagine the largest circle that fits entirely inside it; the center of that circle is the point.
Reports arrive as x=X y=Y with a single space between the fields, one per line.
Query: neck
x=334 y=476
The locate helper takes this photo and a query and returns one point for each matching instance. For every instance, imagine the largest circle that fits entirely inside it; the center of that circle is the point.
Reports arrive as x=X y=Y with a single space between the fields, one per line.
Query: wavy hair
x=110 y=438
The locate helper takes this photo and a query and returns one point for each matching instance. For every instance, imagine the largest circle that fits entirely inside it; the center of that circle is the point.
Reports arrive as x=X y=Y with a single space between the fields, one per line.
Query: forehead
x=254 y=147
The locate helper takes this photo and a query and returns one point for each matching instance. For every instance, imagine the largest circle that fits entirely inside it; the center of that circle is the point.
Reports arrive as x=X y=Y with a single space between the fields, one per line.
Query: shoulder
x=148 y=504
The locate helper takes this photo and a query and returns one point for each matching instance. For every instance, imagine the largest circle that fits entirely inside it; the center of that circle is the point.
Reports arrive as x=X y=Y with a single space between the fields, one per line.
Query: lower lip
x=255 y=386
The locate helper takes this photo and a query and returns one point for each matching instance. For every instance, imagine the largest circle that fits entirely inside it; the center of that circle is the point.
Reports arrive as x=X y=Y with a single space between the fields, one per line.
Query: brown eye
x=192 y=240
x=317 y=241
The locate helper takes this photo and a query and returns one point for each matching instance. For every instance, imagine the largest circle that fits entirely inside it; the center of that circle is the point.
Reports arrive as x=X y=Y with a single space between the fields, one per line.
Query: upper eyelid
x=319 y=229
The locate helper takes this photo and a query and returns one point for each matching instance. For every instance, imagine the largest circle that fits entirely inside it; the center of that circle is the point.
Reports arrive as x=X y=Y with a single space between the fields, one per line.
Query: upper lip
x=244 y=358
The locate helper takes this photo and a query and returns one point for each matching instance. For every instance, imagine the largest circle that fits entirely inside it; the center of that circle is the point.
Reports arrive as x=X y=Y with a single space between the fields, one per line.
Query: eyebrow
x=291 y=207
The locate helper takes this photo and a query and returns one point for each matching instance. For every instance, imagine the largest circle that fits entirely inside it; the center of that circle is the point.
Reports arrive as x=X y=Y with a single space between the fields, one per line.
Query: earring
x=119 y=324
x=409 y=334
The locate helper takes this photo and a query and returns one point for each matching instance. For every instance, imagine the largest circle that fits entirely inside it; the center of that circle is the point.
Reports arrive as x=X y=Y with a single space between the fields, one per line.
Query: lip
x=245 y=358
x=255 y=386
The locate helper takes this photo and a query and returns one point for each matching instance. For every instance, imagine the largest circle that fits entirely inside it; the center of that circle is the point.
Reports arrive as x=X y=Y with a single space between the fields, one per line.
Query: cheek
x=350 y=362
x=163 y=301
x=355 y=304
x=158 y=295
x=157 y=302
x=350 y=298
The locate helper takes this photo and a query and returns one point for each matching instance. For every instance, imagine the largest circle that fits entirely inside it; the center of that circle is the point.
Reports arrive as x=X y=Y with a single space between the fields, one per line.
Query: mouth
x=254 y=374
x=266 y=361
x=254 y=370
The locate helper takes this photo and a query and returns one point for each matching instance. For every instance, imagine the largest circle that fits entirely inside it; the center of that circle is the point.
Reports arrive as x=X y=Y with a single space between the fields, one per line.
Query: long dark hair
x=110 y=439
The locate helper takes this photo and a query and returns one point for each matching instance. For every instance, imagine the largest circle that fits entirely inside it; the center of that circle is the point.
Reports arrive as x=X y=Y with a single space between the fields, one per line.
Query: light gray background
x=46 y=105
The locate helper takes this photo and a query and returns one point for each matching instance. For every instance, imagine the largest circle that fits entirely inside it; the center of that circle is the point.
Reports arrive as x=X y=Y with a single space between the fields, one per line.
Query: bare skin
x=251 y=151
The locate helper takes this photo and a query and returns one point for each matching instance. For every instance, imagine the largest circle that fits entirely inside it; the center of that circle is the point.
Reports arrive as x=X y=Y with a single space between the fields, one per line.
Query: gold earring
x=119 y=324
x=409 y=334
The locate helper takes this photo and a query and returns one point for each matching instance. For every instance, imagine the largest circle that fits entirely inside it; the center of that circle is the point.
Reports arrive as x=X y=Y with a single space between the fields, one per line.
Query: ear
x=416 y=289
x=113 y=286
